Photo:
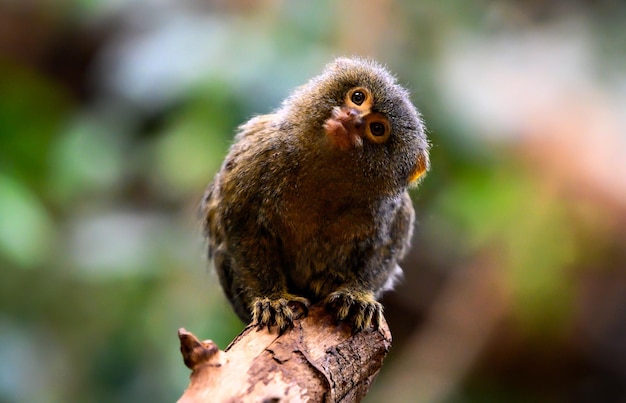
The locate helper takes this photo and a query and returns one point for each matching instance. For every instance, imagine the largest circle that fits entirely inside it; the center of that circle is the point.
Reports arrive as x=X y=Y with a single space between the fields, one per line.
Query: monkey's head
x=356 y=112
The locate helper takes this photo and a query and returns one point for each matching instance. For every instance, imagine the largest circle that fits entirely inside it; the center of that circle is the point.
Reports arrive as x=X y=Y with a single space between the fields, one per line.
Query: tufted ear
x=422 y=164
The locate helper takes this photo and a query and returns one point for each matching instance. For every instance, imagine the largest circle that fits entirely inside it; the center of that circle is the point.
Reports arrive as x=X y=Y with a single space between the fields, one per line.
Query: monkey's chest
x=320 y=236
x=323 y=215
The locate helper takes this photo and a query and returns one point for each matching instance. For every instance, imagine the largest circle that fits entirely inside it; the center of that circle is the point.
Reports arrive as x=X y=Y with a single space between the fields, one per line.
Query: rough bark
x=316 y=361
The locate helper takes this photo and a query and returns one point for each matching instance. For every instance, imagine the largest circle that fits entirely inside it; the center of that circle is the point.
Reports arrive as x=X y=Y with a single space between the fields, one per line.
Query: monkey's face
x=372 y=118
x=355 y=121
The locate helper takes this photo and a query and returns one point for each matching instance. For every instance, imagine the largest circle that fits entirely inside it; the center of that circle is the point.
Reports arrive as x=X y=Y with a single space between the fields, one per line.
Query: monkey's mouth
x=344 y=128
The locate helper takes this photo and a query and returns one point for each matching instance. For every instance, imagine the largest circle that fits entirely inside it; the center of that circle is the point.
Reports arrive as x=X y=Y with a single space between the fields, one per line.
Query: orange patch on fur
x=420 y=168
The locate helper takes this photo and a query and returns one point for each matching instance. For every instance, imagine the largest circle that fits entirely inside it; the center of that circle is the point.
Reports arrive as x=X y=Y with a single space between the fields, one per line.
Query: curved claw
x=280 y=312
x=360 y=307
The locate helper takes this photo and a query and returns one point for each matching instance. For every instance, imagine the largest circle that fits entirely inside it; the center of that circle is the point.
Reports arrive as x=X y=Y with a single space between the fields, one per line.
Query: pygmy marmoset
x=311 y=202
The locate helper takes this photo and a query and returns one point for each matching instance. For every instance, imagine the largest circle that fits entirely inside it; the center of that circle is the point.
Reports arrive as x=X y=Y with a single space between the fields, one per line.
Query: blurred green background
x=114 y=115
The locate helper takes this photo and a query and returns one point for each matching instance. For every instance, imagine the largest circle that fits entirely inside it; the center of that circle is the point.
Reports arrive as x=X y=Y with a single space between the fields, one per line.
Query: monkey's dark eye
x=358 y=97
x=377 y=129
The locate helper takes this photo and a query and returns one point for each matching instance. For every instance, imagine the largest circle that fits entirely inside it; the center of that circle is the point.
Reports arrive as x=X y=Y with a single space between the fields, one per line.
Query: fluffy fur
x=310 y=206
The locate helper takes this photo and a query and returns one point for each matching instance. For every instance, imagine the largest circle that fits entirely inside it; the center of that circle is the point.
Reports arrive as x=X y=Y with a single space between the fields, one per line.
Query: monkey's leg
x=263 y=281
x=376 y=271
x=355 y=298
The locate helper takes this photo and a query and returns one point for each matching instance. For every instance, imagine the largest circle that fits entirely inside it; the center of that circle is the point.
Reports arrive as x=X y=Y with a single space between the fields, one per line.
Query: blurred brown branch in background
x=459 y=325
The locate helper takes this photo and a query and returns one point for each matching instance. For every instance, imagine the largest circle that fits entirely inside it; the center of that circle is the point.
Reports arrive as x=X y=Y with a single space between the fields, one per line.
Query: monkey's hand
x=280 y=311
x=358 y=306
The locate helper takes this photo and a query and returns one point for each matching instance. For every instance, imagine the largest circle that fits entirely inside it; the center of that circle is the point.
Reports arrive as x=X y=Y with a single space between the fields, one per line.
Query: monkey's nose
x=355 y=117
x=353 y=113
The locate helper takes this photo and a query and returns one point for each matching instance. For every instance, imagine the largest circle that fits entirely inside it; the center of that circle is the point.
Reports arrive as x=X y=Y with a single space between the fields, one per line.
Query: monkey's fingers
x=359 y=307
x=280 y=312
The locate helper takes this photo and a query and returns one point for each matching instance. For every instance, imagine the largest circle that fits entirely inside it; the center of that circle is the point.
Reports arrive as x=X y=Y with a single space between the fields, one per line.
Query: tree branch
x=318 y=360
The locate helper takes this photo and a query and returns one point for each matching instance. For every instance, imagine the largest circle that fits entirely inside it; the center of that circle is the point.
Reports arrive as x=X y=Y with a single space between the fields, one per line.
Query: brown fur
x=309 y=206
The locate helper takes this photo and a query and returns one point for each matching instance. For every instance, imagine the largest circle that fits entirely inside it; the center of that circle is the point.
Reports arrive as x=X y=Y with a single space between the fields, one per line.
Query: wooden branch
x=317 y=361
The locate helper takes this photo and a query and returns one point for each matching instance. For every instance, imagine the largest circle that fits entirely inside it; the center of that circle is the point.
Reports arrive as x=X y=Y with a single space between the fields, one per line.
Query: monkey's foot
x=360 y=307
x=280 y=312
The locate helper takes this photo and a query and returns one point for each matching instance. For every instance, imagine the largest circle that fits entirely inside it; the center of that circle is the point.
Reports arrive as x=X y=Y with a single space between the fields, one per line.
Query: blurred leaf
x=84 y=158
x=32 y=109
x=26 y=230
x=193 y=146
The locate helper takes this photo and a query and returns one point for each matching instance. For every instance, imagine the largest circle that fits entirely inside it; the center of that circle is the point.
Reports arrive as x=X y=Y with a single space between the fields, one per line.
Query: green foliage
x=114 y=116
x=27 y=232
x=32 y=109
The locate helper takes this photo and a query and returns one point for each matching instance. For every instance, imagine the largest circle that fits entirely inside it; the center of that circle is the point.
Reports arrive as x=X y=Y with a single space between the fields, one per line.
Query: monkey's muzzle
x=345 y=127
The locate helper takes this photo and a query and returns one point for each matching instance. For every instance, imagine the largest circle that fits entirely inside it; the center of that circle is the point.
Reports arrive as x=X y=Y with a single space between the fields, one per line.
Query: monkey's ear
x=422 y=164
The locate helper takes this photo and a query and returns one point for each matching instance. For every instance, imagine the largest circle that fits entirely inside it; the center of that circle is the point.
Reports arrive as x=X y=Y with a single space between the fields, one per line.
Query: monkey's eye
x=357 y=97
x=377 y=129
